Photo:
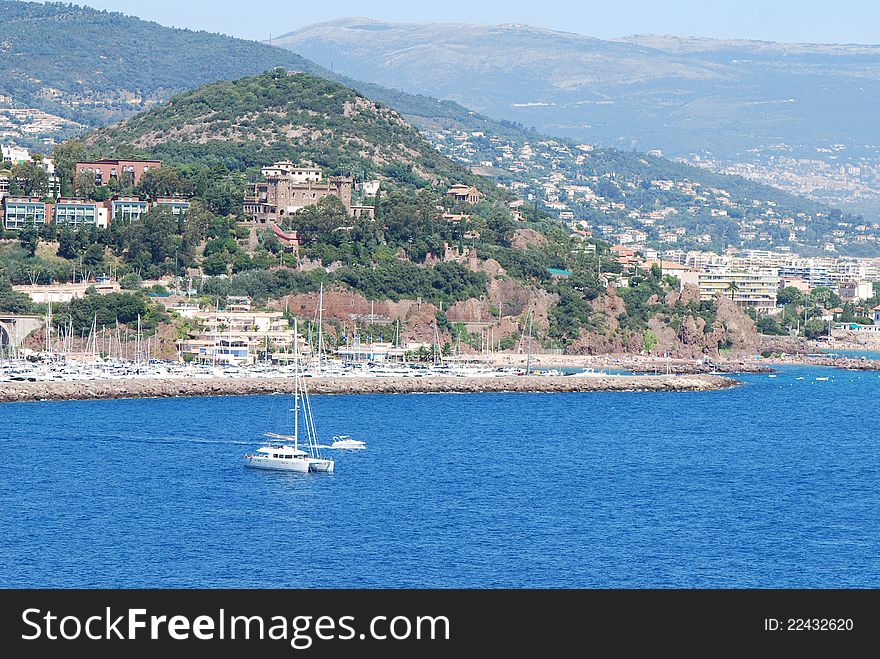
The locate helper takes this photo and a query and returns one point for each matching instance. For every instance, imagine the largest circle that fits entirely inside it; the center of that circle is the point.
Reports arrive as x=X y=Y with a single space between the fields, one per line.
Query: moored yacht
x=281 y=456
x=278 y=457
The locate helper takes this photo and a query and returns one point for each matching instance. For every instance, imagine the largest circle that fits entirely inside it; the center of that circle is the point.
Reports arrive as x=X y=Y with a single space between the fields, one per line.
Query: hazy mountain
x=679 y=95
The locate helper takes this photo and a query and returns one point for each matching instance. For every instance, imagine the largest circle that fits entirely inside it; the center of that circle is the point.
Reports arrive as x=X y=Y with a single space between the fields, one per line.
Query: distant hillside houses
x=752 y=278
x=465 y=193
x=288 y=187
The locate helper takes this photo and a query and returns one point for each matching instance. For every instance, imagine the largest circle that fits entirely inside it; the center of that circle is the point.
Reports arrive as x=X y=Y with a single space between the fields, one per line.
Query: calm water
x=771 y=484
x=858 y=354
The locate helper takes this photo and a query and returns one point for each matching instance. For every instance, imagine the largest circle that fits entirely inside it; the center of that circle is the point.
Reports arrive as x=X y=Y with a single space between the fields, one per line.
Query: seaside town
x=219 y=335
x=834 y=174
x=639 y=199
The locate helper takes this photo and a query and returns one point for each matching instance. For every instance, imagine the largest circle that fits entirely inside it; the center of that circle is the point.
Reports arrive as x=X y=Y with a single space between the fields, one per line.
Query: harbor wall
x=165 y=388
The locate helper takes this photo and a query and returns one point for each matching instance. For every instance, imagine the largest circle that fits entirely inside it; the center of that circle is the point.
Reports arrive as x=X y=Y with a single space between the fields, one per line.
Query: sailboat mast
x=320 y=326
x=49 y=329
x=529 y=357
x=295 y=384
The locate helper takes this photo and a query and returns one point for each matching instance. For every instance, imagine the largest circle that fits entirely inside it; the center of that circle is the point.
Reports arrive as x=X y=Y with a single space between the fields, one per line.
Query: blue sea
x=772 y=484
x=857 y=354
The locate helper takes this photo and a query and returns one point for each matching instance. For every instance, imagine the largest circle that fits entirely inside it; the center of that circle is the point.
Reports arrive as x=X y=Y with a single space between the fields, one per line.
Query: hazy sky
x=839 y=21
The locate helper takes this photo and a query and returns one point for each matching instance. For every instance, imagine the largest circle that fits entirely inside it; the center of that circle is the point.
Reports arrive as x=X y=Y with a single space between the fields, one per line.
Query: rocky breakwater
x=171 y=388
x=847 y=363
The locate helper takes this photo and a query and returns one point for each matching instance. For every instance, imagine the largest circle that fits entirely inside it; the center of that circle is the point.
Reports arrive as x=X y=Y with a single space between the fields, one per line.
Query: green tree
x=154 y=240
x=29 y=179
x=83 y=185
x=815 y=327
x=69 y=244
x=649 y=341
x=29 y=237
x=94 y=255
x=66 y=155
x=732 y=288
x=824 y=297
x=130 y=281
x=163 y=182
x=12 y=301
x=789 y=295
x=215 y=264
x=769 y=325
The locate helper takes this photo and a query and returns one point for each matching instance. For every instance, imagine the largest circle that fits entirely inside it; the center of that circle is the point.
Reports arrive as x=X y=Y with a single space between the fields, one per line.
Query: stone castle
x=287 y=188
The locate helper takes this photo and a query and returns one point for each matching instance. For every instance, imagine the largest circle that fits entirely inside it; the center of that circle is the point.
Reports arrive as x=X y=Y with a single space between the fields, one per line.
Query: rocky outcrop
x=599 y=343
x=784 y=345
x=523 y=238
x=740 y=330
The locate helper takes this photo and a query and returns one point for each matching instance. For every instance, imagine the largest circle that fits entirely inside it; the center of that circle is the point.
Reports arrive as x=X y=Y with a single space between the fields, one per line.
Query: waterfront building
x=76 y=213
x=359 y=352
x=238 y=303
x=684 y=274
x=14 y=155
x=794 y=282
x=177 y=205
x=465 y=193
x=296 y=173
x=236 y=336
x=855 y=291
x=42 y=293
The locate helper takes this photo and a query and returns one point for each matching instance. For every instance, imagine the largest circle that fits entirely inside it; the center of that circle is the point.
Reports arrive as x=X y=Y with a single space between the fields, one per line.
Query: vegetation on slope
x=96 y=66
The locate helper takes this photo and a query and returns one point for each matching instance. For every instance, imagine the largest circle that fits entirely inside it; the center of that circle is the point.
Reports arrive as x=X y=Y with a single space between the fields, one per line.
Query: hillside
x=180 y=59
x=277 y=115
x=797 y=116
x=95 y=67
x=413 y=264
x=728 y=208
x=673 y=94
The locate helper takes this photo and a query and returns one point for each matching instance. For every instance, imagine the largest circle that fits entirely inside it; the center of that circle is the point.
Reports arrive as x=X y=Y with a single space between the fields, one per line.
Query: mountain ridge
x=601 y=90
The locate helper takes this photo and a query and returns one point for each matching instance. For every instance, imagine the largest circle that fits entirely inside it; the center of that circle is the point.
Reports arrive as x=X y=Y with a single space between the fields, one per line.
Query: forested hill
x=52 y=60
x=96 y=67
x=278 y=115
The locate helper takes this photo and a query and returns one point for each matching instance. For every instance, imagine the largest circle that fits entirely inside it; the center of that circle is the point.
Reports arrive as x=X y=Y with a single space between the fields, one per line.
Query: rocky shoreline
x=172 y=388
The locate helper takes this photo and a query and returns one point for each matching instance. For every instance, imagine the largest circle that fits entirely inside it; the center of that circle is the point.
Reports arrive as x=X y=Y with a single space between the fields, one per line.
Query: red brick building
x=104 y=170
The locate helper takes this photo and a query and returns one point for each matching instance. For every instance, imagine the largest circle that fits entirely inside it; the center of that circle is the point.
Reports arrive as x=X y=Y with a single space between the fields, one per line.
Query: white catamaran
x=284 y=454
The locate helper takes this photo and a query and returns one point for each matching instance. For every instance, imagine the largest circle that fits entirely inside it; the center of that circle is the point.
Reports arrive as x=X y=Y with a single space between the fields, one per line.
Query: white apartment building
x=235 y=337
x=747 y=289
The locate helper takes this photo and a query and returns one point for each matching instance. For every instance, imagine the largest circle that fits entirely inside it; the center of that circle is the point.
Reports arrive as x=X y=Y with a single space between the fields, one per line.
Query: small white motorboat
x=346 y=442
